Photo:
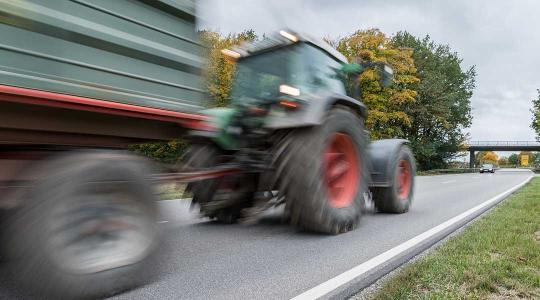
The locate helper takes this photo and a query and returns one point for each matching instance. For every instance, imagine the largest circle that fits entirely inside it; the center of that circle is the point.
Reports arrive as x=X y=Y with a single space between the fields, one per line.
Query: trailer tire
x=307 y=171
x=397 y=197
x=87 y=228
x=205 y=156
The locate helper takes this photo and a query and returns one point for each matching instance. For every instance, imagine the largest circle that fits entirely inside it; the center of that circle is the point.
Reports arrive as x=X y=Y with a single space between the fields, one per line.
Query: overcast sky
x=500 y=37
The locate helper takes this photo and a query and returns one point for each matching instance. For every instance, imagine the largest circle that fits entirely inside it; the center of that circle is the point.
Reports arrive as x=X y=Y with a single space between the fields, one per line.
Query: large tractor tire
x=322 y=171
x=221 y=199
x=87 y=228
x=397 y=197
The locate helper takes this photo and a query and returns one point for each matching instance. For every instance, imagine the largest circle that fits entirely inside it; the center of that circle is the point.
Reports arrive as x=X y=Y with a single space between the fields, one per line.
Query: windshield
x=487 y=166
x=259 y=76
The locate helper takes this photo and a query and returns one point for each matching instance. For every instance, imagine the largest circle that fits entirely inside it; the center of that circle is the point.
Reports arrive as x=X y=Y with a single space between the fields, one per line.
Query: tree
x=535 y=159
x=486 y=157
x=491 y=156
x=166 y=152
x=513 y=159
x=219 y=71
x=386 y=106
x=503 y=161
x=442 y=109
x=535 y=124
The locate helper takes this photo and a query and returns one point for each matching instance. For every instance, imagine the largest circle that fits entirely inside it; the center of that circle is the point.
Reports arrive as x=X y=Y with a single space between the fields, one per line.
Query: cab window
x=322 y=71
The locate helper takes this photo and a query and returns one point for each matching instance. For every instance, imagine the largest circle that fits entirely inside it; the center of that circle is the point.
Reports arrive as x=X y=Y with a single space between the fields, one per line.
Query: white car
x=487 y=168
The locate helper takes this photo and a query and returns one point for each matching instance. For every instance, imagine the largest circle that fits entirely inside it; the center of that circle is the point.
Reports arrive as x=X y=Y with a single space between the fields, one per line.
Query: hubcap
x=404 y=179
x=341 y=168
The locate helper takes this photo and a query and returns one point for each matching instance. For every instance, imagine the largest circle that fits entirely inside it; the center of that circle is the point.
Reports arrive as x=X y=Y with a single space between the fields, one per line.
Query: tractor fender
x=313 y=109
x=380 y=154
x=357 y=106
x=219 y=120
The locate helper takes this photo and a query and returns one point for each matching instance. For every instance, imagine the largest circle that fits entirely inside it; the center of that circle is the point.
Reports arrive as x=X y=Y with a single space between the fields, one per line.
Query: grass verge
x=497 y=257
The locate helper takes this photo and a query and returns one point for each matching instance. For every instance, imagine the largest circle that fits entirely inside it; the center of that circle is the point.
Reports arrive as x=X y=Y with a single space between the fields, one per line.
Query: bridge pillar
x=471 y=159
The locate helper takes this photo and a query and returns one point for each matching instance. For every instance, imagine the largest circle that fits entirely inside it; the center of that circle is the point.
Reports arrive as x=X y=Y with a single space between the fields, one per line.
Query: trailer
x=81 y=80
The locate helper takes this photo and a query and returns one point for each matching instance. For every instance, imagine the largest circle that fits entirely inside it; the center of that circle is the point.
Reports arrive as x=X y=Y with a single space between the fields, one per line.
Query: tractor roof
x=284 y=38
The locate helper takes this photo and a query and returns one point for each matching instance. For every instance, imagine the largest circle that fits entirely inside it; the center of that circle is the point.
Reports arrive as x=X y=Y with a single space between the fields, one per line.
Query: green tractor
x=296 y=138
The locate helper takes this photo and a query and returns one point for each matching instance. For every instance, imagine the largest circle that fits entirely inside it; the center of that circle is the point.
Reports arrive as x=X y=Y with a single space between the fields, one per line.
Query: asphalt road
x=270 y=260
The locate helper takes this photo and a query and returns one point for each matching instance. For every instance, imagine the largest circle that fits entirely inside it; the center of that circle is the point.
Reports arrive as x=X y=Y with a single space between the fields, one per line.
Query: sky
x=501 y=38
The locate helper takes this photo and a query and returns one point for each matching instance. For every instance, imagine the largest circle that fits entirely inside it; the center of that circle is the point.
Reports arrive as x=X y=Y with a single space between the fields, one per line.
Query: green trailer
x=135 y=52
x=139 y=59
x=81 y=80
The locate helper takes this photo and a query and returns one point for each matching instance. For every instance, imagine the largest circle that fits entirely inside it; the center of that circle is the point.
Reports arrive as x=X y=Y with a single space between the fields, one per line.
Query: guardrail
x=448 y=171
x=503 y=143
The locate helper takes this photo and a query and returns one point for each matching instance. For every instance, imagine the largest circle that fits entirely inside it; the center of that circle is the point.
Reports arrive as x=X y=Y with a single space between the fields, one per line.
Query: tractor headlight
x=293 y=38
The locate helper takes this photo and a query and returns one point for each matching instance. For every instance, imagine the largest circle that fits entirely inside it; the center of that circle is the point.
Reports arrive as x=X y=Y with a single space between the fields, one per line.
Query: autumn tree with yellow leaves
x=386 y=105
x=489 y=157
x=219 y=71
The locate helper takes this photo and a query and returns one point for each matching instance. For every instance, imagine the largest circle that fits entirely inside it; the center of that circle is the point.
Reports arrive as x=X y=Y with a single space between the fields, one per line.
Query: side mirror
x=357 y=67
x=387 y=75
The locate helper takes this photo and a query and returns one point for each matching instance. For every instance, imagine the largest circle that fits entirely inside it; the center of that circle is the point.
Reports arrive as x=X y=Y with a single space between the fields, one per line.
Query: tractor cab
x=293 y=67
x=286 y=69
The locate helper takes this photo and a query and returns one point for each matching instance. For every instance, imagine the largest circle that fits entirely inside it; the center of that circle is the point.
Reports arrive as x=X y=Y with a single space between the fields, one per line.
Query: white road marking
x=161 y=222
x=449 y=181
x=330 y=285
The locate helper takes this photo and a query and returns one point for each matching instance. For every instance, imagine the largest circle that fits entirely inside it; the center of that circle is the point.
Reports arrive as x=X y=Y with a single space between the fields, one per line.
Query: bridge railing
x=503 y=143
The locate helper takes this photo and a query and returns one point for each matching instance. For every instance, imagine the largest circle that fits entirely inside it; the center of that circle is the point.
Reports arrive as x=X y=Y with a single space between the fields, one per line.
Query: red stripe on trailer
x=37 y=97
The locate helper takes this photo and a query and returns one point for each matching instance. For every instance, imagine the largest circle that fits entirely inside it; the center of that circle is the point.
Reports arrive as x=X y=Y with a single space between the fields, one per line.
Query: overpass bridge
x=500 y=146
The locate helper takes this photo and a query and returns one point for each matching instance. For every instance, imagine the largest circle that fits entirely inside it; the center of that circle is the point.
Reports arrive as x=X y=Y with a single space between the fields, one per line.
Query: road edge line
x=347 y=276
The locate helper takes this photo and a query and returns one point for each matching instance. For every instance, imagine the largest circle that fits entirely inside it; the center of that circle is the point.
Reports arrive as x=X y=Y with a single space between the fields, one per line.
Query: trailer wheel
x=87 y=228
x=322 y=173
x=398 y=196
x=222 y=199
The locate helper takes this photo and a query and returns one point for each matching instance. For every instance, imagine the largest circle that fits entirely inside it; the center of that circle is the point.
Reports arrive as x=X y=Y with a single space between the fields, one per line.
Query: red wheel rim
x=341 y=170
x=404 y=179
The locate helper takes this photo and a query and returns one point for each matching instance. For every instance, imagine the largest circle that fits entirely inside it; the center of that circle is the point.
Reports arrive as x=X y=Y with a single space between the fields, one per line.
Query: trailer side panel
x=143 y=53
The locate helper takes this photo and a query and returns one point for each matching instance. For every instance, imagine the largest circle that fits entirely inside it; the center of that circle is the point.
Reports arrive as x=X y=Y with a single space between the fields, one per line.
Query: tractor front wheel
x=224 y=198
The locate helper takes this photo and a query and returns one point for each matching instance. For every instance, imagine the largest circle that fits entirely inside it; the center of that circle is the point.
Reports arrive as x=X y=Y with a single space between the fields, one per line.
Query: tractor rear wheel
x=322 y=170
x=397 y=197
x=224 y=198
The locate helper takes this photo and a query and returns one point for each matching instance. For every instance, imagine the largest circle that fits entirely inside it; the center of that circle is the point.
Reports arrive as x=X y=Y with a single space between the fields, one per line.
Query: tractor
x=294 y=136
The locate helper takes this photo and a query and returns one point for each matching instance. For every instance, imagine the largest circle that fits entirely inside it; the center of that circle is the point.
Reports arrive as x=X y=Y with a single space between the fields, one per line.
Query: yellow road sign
x=524 y=160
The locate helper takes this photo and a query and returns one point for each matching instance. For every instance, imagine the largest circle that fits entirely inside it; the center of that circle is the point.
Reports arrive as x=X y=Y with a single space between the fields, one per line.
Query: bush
x=169 y=152
x=449 y=171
